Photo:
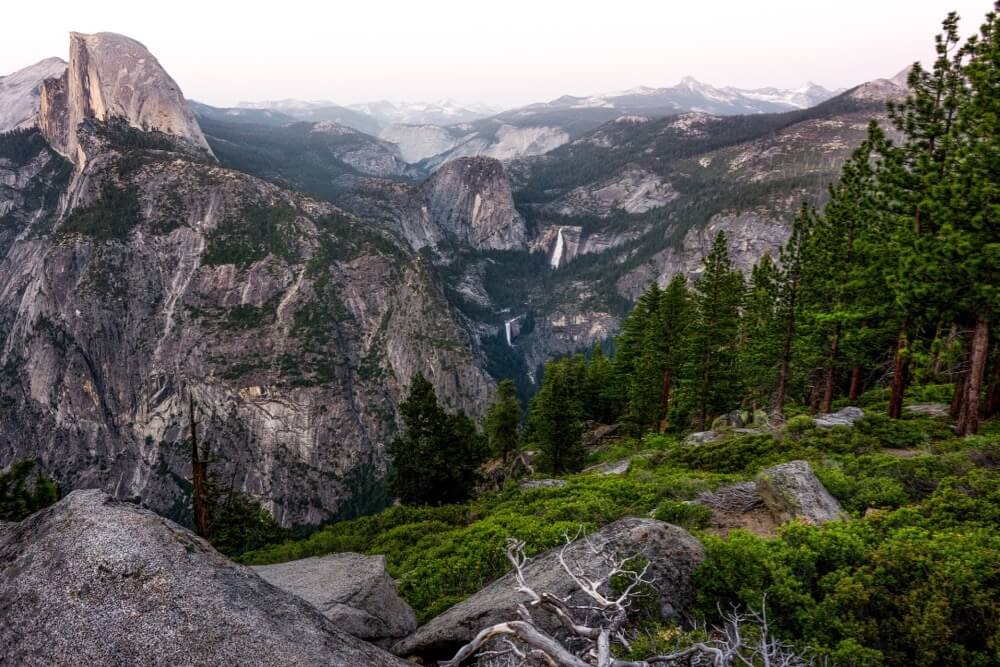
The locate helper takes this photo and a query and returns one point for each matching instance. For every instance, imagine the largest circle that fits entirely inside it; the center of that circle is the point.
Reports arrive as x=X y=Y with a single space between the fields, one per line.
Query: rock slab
x=352 y=590
x=843 y=417
x=672 y=552
x=792 y=491
x=94 y=581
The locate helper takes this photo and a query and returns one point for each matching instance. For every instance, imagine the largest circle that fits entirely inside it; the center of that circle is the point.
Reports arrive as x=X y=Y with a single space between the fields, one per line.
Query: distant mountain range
x=372 y=116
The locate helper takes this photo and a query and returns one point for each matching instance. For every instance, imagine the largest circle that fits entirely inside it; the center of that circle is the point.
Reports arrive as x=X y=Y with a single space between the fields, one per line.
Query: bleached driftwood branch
x=592 y=627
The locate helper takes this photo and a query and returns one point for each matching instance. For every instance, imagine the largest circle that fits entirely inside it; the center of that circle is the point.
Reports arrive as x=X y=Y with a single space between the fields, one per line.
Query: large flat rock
x=93 y=581
x=672 y=552
x=352 y=590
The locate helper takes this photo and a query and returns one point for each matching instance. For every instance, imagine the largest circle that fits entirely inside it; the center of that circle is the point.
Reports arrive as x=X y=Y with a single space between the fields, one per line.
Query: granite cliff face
x=470 y=199
x=109 y=77
x=145 y=274
x=20 y=93
x=467 y=203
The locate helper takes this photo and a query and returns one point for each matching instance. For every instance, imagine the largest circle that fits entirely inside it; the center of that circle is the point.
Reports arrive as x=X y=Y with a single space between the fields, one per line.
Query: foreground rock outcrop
x=352 y=590
x=93 y=581
x=792 y=491
x=672 y=552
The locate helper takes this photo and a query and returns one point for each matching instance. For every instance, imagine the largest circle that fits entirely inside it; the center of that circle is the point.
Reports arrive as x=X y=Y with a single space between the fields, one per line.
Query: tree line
x=894 y=280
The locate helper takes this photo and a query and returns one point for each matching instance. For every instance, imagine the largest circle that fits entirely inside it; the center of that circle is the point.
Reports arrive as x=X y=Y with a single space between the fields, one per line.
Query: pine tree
x=629 y=344
x=960 y=254
x=674 y=321
x=844 y=295
x=790 y=299
x=760 y=334
x=645 y=378
x=598 y=396
x=912 y=171
x=710 y=377
x=503 y=422
x=555 y=420
x=437 y=456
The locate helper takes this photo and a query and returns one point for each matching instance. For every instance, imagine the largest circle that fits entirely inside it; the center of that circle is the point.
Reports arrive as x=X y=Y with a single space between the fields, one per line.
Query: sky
x=503 y=52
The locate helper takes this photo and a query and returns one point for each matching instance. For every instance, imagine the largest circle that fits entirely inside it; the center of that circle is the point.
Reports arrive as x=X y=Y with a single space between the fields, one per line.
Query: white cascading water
x=507 y=326
x=558 y=252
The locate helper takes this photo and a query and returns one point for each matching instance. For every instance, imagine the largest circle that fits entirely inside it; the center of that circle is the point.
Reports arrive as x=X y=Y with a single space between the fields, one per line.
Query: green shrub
x=112 y=216
x=800 y=424
x=23 y=493
x=894 y=433
x=688 y=515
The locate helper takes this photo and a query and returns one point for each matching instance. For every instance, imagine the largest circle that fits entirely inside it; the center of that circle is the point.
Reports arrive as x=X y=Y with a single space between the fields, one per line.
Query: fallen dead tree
x=590 y=630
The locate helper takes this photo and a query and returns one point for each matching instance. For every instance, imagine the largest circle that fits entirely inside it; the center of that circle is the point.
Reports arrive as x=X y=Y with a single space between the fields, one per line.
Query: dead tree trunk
x=199 y=477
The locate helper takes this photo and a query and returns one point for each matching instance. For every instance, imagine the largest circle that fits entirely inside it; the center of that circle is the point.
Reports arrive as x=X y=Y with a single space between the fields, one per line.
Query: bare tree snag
x=593 y=627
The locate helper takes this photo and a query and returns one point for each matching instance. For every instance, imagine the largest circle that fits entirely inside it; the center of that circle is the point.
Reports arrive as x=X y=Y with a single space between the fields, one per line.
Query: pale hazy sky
x=504 y=52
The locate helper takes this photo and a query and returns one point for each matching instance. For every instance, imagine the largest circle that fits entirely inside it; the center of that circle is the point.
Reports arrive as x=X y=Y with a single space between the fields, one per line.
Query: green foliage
x=22 y=494
x=20 y=146
x=442 y=554
x=436 y=458
x=555 y=421
x=503 y=421
x=253 y=234
x=710 y=380
x=112 y=216
x=799 y=424
x=689 y=515
x=240 y=524
x=906 y=590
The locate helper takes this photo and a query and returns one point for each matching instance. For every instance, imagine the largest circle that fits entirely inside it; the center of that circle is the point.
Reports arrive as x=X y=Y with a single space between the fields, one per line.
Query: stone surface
x=530 y=484
x=20 y=93
x=701 y=437
x=93 y=581
x=750 y=236
x=672 y=552
x=632 y=190
x=471 y=200
x=928 y=409
x=610 y=468
x=111 y=76
x=352 y=590
x=843 y=417
x=792 y=491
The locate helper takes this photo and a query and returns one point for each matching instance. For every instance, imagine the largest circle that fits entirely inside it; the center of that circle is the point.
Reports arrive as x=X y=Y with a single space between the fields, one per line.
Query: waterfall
x=558 y=252
x=507 y=327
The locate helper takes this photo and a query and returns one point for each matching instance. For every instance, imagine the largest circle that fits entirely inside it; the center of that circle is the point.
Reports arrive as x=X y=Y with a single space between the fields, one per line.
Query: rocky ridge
x=145 y=274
